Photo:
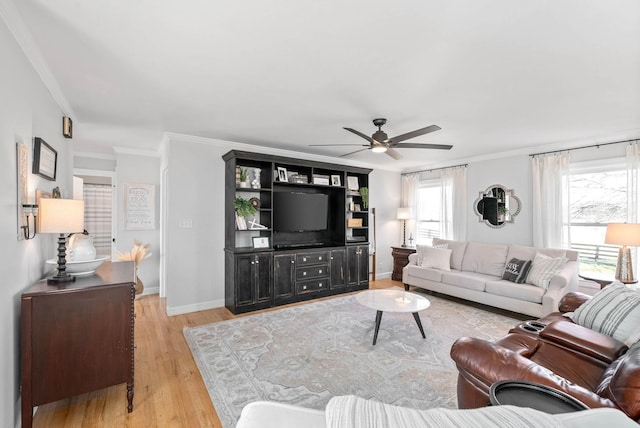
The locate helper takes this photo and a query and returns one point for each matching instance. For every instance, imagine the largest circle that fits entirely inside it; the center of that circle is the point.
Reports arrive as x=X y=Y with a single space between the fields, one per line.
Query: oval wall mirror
x=497 y=206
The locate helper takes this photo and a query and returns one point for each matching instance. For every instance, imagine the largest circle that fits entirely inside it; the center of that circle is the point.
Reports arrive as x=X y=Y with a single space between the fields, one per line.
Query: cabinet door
x=283 y=275
x=245 y=279
x=263 y=267
x=357 y=265
x=338 y=259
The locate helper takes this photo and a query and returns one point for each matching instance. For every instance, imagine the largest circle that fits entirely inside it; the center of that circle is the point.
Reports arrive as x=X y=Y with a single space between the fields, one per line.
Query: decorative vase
x=244 y=184
x=80 y=248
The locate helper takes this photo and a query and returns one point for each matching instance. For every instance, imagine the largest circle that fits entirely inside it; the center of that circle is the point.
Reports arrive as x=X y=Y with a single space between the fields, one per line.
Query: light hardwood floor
x=169 y=391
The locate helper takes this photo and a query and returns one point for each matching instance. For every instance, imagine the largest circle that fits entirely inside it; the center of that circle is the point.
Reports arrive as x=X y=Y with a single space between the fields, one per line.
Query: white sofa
x=353 y=412
x=476 y=271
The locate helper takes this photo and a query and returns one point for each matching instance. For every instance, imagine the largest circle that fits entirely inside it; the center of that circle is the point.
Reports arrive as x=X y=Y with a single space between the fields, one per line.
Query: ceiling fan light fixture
x=379 y=149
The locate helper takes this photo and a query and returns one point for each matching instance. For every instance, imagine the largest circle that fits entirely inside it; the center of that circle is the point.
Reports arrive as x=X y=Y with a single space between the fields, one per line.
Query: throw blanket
x=354 y=412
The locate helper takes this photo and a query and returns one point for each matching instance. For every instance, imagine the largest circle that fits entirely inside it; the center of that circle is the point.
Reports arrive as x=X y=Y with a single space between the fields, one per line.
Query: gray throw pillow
x=516 y=270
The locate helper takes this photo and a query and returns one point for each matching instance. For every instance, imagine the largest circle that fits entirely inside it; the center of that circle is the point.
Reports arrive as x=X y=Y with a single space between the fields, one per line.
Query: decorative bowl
x=80 y=268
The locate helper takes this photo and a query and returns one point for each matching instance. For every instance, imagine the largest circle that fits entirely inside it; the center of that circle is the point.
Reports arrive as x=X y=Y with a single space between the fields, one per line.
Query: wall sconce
x=30 y=210
x=404 y=214
x=625 y=234
x=67 y=127
x=61 y=216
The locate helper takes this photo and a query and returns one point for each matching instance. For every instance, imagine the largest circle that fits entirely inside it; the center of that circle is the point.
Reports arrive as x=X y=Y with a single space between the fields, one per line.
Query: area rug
x=305 y=355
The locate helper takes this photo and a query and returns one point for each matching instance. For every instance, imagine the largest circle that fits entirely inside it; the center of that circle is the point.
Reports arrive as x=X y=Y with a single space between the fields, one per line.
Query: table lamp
x=61 y=216
x=404 y=214
x=625 y=234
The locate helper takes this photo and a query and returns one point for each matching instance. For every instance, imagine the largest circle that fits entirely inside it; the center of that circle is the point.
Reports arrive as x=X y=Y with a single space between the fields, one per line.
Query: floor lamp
x=404 y=214
x=624 y=234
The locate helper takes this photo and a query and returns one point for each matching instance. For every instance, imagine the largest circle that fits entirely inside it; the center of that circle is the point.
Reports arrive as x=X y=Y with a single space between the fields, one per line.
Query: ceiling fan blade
x=360 y=134
x=393 y=153
x=351 y=153
x=413 y=134
x=422 y=146
x=340 y=145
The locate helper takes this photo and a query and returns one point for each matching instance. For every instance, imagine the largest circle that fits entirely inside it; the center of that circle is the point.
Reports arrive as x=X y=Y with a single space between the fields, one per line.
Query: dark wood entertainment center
x=267 y=267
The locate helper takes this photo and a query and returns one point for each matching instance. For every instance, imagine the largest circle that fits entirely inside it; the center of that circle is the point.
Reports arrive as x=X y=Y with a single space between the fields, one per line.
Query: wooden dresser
x=77 y=337
x=400 y=259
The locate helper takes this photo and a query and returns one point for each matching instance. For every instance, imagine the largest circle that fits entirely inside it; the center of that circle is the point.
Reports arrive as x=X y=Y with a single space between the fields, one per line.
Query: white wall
x=139 y=169
x=385 y=198
x=512 y=173
x=27 y=110
x=195 y=256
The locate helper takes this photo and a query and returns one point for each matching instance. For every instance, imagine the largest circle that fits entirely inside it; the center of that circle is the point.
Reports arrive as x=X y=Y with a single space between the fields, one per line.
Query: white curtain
x=633 y=190
x=551 y=213
x=453 y=220
x=410 y=199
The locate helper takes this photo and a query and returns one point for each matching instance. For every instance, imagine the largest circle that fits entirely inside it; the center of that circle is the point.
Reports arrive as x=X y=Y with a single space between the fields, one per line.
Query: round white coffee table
x=393 y=300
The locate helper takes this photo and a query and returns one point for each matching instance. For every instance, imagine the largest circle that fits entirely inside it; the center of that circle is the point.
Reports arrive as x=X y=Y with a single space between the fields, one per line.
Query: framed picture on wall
x=45 y=159
x=335 y=180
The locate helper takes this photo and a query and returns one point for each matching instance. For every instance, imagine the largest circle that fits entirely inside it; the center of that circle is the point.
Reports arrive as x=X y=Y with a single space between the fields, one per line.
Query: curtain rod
x=434 y=169
x=583 y=147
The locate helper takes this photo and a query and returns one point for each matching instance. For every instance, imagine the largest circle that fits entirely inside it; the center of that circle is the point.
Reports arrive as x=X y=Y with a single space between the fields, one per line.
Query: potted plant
x=243 y=208
x=244 y=177
x=364 y=193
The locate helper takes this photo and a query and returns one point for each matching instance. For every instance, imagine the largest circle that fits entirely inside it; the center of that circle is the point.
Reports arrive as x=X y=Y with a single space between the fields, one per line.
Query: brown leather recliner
x=596 y=369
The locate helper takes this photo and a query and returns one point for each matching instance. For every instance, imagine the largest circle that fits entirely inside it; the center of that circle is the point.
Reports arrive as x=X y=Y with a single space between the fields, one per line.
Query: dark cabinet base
x=295 y=276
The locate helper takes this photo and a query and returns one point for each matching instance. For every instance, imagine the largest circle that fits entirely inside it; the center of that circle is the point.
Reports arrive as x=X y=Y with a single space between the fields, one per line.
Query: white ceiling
x=495 y=75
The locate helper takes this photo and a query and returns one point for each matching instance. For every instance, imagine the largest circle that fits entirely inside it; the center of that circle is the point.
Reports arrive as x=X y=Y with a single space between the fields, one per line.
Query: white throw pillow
x=437 y=258
x=421 y=248
x=614 y=311
x=544 y=268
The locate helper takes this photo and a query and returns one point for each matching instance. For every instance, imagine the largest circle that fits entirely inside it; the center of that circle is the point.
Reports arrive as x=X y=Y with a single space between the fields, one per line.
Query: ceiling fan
x=379 y=142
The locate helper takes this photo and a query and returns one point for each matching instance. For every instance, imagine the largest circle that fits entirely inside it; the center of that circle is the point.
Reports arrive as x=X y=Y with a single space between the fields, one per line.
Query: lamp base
x=624 y=269
x=59 y=279
x=62 y=276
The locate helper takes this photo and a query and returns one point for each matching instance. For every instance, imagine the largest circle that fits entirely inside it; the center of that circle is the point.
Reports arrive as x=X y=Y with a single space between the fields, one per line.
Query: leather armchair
x=594 y=368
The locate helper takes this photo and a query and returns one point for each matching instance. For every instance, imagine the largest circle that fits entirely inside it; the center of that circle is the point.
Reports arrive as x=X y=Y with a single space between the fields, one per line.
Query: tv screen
x=300 y=212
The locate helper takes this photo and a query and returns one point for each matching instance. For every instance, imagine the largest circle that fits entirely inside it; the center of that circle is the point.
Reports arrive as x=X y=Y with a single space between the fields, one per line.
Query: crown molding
x=14 y=22
x=122 y=150
x=172 y=136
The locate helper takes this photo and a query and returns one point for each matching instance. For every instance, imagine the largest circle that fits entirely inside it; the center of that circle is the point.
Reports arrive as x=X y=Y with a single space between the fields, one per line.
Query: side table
x=601 y=278
x=400 y=259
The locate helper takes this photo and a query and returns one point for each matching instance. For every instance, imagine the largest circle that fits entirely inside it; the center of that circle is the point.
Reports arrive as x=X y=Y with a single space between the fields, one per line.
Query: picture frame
x=356 y=207
x=260 y=242
x=321 y=180
x=335 y=180
x=282 y=174
x=352 y=183
x=45 y=159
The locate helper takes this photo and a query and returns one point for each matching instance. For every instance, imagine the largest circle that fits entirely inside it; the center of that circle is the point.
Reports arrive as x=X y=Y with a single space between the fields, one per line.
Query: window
x=598 y=195
x=429 y=210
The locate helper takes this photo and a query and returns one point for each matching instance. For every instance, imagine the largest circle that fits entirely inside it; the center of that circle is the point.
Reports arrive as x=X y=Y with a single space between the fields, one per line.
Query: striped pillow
x=614 y=311
x=544 y=268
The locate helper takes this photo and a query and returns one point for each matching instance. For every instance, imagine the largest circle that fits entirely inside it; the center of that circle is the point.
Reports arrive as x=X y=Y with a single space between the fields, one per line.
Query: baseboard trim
x=203 y=306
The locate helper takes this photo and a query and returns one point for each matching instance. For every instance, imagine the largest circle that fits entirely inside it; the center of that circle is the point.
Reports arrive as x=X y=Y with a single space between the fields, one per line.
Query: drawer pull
x=320 y=258
x=319 y=285
x=292 y=262
x=319 y=270
x=304 y=287
x=304 y=274
x=304 y=259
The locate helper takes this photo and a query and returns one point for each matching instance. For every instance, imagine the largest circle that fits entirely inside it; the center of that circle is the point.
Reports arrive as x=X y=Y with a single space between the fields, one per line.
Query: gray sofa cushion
x=516 y=291
x=457 y=251
x=528 y=253
x=485 y=258
x=469 y=280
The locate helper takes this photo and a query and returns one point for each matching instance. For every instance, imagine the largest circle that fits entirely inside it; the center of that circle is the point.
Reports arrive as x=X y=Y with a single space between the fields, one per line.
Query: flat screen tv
x=300 y=212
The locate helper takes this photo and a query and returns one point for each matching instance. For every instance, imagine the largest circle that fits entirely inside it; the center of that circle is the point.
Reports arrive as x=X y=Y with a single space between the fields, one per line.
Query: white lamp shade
x=61 y=216
x=405 y=213
x=623 y=234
